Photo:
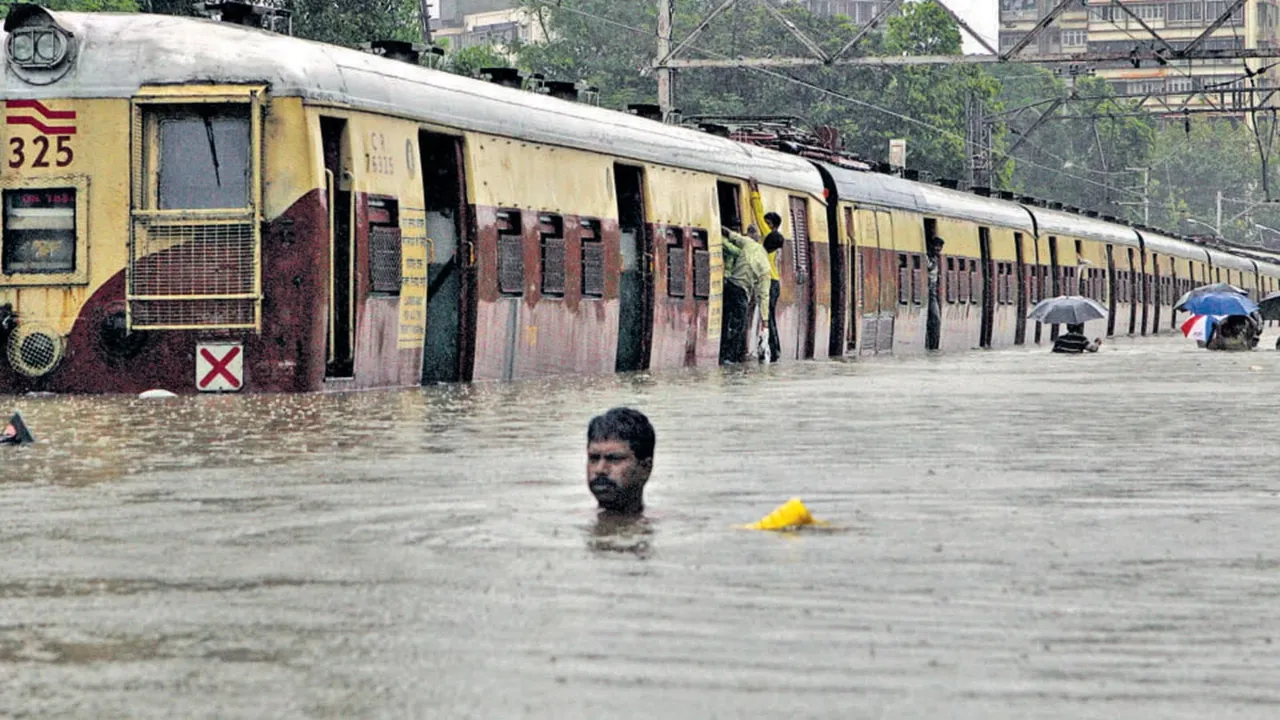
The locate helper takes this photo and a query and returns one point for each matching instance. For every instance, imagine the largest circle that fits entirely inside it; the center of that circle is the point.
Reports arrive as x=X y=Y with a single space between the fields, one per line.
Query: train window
x=701 y=265
x=39 y=231
x=592 y=259
x=915 y=279
x=203 y=157
x=903 y=280
x=384 y=246
x=728 y=195
x=973 y=280
x=962 y=278
x=676 y=265
x=551 y=232
x=510 y=253
x=951 y=280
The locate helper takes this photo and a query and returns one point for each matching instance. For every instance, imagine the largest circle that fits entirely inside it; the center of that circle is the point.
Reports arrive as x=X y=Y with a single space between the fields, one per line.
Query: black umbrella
x=1067 y=310
x=1214 y=288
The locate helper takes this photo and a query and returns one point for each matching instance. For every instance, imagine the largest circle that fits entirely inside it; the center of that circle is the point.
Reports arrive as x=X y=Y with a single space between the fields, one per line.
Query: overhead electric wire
x=846 y=98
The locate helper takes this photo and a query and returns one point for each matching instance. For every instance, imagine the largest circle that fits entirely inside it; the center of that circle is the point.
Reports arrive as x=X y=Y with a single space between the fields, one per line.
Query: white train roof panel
x=891 y=191
x=119 y=53
x=1056 y=222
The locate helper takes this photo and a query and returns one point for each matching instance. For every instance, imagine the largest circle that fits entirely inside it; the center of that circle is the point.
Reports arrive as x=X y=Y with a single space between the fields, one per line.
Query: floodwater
x=1016 y=535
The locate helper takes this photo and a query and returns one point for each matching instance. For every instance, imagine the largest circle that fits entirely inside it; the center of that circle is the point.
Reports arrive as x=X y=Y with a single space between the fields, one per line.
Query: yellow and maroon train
x=195 y=205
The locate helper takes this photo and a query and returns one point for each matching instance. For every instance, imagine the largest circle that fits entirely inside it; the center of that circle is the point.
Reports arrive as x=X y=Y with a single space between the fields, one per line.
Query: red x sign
x=219 y=368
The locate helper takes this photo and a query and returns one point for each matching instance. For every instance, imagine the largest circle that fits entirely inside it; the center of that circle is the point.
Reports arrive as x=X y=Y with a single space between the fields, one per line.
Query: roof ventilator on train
x=403 y=51
x=273 y=15
x=504 y=76
x=40 y=50
x=648 y=111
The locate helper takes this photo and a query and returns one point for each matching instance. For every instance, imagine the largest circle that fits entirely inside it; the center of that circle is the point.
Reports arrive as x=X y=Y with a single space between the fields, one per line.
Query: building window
x=1074 y=38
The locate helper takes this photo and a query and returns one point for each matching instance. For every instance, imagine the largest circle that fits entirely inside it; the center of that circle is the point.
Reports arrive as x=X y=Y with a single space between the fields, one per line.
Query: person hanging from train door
x=773 y=242
x=746 y=279
x=933 y=325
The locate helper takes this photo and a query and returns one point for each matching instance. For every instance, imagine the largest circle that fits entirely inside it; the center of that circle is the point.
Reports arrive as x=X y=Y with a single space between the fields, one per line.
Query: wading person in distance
x=1074 y=341
x=933 y=324
x=619 y=460
x=746 y=278
x=773 y=242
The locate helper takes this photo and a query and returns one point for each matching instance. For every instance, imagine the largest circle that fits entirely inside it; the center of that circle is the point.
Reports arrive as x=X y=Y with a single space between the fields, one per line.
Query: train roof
x=891 y=191
x=1164 y=245
x=1056 y=222
x=1228 y=260
x=118 y=53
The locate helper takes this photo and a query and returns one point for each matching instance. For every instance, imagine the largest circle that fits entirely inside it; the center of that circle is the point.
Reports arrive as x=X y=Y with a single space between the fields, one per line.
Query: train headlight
x=49 y=47
x=22 y=48
x=43 y=47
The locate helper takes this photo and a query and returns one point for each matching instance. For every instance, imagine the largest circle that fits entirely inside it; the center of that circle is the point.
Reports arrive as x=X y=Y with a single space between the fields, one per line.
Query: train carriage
x=197 y=205
x=240 y=210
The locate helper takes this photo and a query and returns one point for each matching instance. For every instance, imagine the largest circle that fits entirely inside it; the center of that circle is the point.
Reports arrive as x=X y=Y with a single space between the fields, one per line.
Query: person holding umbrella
x=1074 y=341
x=1073 y=311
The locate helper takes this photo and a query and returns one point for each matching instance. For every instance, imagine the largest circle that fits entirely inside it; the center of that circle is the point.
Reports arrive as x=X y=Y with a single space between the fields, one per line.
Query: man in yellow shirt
x=747 y=277
x=773 y=242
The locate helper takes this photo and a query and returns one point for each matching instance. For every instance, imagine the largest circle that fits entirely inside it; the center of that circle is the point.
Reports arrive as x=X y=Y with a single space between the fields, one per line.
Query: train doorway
x=445 y=204
x=988 y=289
x=1055 y=275
x=1157 y=294
x=340 y=345
x=802 y=255
x=635 y=288
x=1132 y=294
x=1020 y=325
x=1111 y=290
x=1144 y=285
x=933 y=271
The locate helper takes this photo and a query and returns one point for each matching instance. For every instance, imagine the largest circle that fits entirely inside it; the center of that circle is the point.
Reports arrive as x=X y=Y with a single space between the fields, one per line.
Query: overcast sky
x=981 y=16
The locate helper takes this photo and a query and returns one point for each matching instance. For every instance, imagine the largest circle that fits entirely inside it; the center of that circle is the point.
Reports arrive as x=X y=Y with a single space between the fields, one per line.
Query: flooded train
x=202 y=206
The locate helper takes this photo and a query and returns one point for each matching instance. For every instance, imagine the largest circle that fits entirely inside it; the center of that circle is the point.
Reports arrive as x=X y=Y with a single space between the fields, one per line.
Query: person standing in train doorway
x=746 y=278
x=773 y=242
x=933 y=325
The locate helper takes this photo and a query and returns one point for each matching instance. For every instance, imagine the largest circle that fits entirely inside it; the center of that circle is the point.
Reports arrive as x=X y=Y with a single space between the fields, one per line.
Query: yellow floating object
x=788 y=515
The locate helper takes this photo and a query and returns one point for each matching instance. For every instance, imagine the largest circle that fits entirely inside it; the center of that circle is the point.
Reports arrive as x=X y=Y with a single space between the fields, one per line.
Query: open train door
x=635 y=288
x=448 y=332
x=988 y=289
x=802 y=255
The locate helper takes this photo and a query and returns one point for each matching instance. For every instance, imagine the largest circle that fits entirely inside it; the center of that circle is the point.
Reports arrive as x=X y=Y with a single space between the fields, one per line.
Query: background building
x=1100 y=26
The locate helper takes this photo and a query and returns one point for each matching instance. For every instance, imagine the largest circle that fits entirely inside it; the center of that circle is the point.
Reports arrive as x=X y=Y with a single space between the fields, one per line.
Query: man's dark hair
x=773 y=219
x=627 y=425
x=773 y=241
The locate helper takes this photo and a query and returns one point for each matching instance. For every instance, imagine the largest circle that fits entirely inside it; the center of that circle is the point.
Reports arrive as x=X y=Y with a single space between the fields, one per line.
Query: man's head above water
x=619 y=459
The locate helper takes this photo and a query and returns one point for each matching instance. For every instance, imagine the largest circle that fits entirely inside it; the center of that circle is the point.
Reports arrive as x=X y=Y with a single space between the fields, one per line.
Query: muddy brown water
x=1017 y=535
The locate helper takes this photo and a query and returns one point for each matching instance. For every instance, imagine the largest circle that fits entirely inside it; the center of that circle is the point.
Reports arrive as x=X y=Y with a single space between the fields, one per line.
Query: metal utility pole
x=1145 y=202
x=424 y=15
x=978 y=142
x=666 y=93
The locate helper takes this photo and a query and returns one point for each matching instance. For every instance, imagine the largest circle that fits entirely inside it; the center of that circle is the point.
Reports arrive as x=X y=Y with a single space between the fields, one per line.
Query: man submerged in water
x=619 y=460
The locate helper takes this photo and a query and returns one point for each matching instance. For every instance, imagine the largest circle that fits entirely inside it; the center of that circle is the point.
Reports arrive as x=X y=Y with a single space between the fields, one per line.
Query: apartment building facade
x=1101 y=26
